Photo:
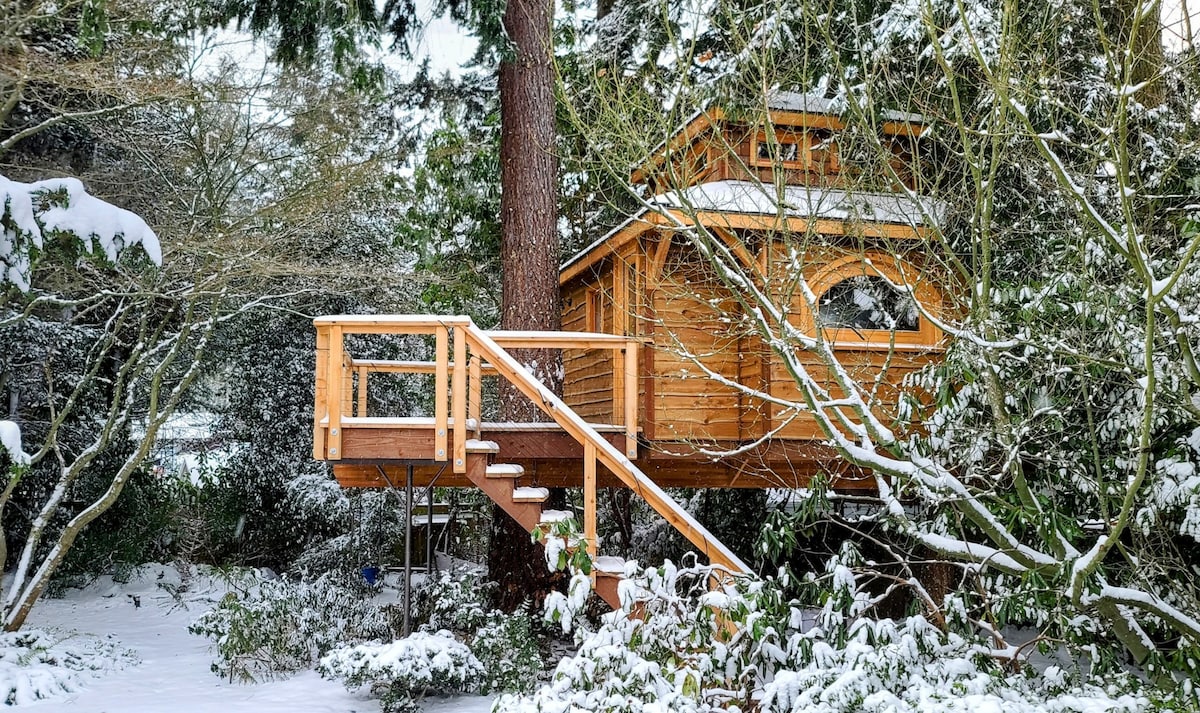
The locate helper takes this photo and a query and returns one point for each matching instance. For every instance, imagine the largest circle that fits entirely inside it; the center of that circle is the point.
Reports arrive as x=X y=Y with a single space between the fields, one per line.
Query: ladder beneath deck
x=464 y=353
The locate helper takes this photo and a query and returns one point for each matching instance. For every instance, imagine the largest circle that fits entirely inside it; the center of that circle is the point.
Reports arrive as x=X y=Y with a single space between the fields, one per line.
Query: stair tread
x=530 y=495
x=474 y=445
x=556 y=515
x=609 y=565
x=504 y=470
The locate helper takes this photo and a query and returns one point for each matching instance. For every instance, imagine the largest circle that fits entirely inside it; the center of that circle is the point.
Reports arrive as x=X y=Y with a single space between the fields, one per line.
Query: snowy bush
x=404 y=671
x=36 y=665
x=696 y=646
x=279 y=626
x=455 y=604
x=506 y=647
x=503 y=643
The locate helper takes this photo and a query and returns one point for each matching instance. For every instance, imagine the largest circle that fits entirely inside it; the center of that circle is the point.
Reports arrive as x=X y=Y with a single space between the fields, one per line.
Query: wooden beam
x=388 y=366
x=333 y=371
x=630 y=362
x=589 y=498
x=321 y=393
x=459 y=395
x=441 y=409
x=659 y=260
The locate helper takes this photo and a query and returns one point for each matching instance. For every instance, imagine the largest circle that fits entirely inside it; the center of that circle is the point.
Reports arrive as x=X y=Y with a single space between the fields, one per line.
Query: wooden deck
x=369 y=450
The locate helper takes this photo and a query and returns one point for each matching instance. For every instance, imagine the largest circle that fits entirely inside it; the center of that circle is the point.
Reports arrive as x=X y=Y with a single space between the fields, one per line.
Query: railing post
x=589 y=497
x=440 y=407
x=631 y=399
x=334 y=370
x=475 y=391
x=321 y=393
x=459 y=394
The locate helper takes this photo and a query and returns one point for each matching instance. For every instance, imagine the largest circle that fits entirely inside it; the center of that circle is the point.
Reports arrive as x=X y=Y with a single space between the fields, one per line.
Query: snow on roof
x=805 y=202
x=747 y=197
x=813 y=103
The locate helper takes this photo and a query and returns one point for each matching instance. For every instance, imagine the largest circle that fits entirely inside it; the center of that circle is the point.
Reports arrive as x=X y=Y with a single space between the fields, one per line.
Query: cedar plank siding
x=682 y=312
x=587 y=387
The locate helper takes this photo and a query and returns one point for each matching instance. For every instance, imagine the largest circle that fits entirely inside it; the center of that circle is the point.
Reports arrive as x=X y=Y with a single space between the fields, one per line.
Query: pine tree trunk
x=529 y=260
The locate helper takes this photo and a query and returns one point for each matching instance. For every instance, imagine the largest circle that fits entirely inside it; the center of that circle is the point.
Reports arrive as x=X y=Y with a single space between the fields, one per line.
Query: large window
x=869 y=302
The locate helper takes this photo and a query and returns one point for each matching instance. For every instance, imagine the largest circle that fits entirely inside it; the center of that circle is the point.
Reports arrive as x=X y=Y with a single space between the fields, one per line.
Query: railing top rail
x=501 y=336
x=390 y=320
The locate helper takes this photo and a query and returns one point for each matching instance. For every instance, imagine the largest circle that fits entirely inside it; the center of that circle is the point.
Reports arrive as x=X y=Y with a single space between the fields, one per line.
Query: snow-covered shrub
x=403 y=672
x=506 y=647
x=504 y=643
x=36 y=664
x=697 y=646
x=278 y=626
x=458 y=604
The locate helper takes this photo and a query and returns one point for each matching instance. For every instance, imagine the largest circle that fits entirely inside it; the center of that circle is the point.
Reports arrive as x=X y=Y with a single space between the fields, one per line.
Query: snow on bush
x=743 y=644
x=35 y=664
x=404 y=671
x=503 y=643
x=32 y=212
x=279 y=626
x=10 y=442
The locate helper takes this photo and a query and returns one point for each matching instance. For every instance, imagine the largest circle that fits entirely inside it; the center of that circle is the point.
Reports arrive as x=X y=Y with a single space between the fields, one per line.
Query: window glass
x=869 y=302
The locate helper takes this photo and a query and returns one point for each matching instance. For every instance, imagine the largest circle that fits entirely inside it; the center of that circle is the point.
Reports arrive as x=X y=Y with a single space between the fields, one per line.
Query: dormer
x=798 y=141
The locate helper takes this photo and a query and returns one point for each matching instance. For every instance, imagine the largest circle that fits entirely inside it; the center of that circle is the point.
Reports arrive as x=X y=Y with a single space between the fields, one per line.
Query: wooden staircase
x=464 y=354
x=501 y=483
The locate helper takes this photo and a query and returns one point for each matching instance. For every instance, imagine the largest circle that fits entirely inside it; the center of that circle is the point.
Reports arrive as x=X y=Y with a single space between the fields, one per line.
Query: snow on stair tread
x=556 y=515
x=609 y=565
x=504 y=470
x=475 y=445
x=530 y=495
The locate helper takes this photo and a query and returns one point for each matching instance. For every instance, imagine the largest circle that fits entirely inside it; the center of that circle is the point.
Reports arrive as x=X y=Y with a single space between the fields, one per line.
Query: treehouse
x=669 y=377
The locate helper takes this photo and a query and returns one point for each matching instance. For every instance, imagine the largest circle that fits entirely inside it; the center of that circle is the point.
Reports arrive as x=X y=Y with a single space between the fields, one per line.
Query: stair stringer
x=552 y=405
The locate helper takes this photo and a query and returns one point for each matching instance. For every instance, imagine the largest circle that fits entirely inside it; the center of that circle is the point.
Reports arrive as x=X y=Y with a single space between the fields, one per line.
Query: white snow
x=10 y=440
x=174 y=672
x=56 y=205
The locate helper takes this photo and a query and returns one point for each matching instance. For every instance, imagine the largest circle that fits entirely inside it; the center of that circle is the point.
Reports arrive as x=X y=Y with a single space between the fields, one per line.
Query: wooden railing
x=463 y=355
x=344 y=380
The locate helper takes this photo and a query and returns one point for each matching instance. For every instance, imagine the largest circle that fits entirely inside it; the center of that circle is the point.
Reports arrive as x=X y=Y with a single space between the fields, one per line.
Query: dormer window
x=809 y=150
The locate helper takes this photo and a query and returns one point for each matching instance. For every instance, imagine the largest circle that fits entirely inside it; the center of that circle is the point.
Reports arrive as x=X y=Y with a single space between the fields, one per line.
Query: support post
x=589 y=497
x=631 y=399
x=408 y=513
x=459 y=395
x=440 y=407
x=321 y=394
x=333 y=371
x=430 y=563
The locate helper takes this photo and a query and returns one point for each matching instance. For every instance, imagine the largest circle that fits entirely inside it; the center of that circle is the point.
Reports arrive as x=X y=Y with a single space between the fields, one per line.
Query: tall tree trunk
x=529 y=259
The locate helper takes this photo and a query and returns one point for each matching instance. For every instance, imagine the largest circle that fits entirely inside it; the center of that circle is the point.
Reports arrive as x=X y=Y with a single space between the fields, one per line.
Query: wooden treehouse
x=653 y=347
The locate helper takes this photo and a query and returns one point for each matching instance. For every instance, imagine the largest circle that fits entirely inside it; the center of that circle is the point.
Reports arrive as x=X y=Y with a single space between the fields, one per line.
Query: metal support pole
x=408 y=511
x=430 y=565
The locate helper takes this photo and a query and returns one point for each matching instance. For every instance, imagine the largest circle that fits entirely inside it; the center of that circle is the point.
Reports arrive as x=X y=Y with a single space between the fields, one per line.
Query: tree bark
x=529 y=260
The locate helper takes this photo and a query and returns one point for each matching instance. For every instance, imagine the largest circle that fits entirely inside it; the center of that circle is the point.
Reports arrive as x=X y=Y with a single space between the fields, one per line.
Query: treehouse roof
x=765 y=207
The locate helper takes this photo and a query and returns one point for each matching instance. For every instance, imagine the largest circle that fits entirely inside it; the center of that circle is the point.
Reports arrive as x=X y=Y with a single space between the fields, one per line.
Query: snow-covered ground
x=174 y=675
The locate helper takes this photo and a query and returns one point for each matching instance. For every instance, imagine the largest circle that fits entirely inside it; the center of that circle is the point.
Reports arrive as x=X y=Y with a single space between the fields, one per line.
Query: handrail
x=632 y=476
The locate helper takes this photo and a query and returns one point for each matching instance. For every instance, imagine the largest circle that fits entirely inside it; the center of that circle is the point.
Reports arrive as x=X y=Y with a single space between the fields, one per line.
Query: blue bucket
x=371 y=575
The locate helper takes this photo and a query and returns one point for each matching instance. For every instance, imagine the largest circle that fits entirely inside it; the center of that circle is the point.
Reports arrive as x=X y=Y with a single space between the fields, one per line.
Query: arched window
x=865 y=302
